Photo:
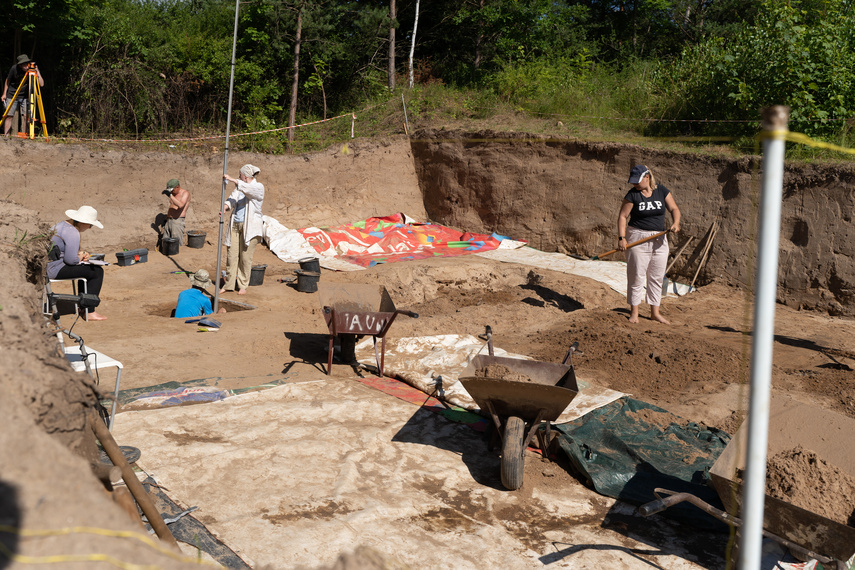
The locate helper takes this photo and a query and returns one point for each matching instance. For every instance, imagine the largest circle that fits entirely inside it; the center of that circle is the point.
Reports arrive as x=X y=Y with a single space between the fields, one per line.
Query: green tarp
x=628 y=448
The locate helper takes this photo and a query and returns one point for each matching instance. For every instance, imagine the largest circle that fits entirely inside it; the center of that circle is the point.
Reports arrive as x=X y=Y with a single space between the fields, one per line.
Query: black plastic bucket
x=256 y=276
x=196 y=239
x=307 y=281
x=169 y=246
x=310 y=264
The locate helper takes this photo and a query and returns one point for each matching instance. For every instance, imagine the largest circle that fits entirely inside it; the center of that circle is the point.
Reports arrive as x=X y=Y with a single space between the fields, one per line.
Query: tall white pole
x=225 y=166
x=775 y=121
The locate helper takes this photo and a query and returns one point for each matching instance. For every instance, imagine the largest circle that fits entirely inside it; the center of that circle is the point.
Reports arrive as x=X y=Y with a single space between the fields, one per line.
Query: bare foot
x=660 y=318
x=223 y=290
x=242 y=292
x=655 y=315
x=633 y=314
x=93 y=316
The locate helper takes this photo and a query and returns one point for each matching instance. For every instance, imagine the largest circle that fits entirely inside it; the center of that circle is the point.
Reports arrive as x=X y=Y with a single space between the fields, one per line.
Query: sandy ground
x=380 y=461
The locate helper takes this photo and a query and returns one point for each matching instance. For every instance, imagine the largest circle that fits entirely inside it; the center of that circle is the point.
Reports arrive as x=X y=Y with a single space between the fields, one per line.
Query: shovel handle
x=633 y=244
x=673 y=498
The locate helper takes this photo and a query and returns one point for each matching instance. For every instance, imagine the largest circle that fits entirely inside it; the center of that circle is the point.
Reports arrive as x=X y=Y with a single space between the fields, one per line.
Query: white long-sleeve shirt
x=253 y=193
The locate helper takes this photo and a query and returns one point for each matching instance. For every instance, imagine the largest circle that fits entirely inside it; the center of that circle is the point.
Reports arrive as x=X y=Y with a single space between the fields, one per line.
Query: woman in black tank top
x=642 y=214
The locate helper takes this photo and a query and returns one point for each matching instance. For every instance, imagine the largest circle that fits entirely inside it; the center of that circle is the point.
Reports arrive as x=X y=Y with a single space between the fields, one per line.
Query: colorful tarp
x=405 y=392
x=178 y=396
x=390 y=238
x=196 y=390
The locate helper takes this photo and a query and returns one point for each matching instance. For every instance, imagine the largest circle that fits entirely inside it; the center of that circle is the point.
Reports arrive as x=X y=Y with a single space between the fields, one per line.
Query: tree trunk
x=292 y=116
x=393 y=14
x=479 y=38
x=413 y=43
x=323 y=91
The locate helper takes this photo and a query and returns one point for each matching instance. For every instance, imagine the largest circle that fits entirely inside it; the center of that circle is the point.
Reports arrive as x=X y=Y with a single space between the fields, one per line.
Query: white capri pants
x=645 y=265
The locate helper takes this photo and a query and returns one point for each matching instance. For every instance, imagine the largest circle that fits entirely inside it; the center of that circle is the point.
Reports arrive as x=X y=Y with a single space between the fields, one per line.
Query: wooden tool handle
x=633 y=244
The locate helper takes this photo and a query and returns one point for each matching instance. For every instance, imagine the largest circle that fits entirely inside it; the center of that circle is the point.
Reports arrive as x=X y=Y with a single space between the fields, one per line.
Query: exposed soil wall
x=563 y=195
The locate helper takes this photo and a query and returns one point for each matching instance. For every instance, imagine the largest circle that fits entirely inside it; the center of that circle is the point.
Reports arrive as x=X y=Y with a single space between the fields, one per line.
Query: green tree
x=800 y=54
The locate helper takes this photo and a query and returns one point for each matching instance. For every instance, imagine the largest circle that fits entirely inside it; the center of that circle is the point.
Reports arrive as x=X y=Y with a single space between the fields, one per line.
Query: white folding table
x=97 y=360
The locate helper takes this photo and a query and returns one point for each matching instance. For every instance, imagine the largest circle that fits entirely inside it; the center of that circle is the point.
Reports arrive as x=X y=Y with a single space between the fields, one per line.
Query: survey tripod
x=34 y=101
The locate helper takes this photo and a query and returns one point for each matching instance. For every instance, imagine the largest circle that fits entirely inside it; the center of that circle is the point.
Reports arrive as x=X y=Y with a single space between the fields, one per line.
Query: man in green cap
x=179 y=202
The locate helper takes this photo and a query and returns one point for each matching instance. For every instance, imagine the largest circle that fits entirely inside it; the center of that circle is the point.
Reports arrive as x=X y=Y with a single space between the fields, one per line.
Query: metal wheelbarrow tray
x=519 y=408
x=805 y=533
x=358 y=310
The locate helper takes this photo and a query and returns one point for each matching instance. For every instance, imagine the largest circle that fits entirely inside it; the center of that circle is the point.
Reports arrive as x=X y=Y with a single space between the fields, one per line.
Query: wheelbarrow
x=518 y=408
x=806 y=534
x=358 y=310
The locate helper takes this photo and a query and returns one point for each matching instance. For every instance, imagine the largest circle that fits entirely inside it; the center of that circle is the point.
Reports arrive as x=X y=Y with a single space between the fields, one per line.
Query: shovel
x=629 y=245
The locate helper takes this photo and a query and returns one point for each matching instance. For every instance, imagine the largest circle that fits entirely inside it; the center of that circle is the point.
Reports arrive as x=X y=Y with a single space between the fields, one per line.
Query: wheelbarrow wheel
x=513 y=460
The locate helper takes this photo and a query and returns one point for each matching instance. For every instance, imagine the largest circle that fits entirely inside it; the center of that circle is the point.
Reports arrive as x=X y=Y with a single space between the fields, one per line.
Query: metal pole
x=225 y=166
x=775 y=121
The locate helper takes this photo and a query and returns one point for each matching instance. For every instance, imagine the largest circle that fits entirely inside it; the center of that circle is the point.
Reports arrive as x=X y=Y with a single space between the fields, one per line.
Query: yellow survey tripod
x=31 y=80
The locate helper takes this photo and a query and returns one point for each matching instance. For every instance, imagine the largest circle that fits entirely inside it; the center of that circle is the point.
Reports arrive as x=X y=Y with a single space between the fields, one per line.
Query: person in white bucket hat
x=196 y=301
x=245 y=227
x=66 y=260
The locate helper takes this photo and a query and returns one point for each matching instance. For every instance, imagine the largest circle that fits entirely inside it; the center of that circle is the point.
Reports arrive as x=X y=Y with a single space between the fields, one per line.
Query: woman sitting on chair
x=67 y=260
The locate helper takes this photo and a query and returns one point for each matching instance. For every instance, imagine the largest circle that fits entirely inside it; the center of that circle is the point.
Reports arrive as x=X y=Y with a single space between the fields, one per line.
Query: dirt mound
x=801 y=478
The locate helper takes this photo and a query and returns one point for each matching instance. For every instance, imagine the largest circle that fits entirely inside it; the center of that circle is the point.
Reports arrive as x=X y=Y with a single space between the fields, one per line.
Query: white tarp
x=433 y=364
x=612 y=273
x=292 y=476
x=290 y=246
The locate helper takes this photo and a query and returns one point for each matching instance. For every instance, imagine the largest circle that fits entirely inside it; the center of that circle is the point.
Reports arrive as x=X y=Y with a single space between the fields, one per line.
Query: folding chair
x=74 y=280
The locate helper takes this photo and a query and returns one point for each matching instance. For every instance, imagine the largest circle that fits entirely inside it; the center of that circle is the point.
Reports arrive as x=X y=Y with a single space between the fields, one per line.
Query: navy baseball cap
x=638 y=172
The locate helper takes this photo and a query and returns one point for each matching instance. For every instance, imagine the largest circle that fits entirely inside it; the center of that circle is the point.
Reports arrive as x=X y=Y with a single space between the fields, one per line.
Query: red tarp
x=390 y=238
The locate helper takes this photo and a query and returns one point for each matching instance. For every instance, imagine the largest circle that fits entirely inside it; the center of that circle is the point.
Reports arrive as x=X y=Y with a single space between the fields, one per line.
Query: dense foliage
x=148 y=68
x=801 y=54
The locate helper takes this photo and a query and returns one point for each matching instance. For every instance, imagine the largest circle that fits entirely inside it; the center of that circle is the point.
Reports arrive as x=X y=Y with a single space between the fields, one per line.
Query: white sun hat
x=85 y=215
x=249 y=170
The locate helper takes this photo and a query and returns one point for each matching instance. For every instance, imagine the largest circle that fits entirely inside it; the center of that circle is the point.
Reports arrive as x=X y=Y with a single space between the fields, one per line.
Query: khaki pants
x=174 y=228
x=645 y=265
x=239 y=259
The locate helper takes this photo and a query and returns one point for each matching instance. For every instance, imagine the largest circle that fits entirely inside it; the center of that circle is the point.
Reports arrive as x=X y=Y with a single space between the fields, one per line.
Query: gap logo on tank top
x=652 y=205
